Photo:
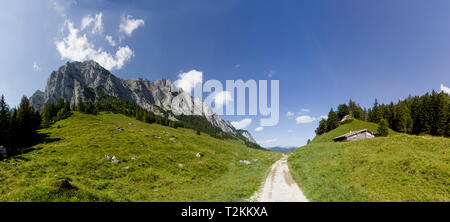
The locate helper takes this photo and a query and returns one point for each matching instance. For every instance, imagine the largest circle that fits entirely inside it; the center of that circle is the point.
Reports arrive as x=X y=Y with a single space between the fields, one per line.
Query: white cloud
x=36 y=66
x=86 y=21
x=110 y=40
x=242 y=124
x=268 y=141
x=259 y=129
x=305 y=119
x=323 y=117
x=237 y=66
x=289 y=114
x=128 y=24
x=222 y=98
x=189 y=80
x=445 y=89
x=61 y=6
x=305 y=110
x=96 y=22
x=290 y=131
x=77 y=47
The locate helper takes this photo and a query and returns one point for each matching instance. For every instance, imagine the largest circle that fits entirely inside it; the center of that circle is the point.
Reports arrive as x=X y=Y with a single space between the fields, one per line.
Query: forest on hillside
x=426 y=114
x=19 y=125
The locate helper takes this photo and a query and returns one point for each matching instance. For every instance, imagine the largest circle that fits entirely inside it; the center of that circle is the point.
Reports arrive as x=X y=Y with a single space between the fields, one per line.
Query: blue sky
x=322 y=52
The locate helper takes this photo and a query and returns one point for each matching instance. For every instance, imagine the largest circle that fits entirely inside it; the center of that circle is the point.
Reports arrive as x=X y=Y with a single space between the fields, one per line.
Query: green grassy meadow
x=395 y=168
x=157 y=163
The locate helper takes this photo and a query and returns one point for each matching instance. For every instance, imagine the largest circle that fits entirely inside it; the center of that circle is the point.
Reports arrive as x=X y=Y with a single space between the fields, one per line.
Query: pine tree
x=4 y=121
x=439 y=114
x=342 y=111
x=80 y=105
x=403 y=121
x=383 y=128
x=26 y=124
x=332 y=121
x=375 y=114
x=322 y=128
x=447 y=130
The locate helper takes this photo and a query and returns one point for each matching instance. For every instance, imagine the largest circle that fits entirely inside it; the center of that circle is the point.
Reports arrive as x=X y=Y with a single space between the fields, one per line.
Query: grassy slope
x=78 y=155
x=354 y=125
x=396 y=168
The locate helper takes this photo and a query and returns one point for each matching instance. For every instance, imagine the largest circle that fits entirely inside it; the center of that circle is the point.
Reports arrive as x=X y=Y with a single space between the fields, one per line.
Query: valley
x=154 y=163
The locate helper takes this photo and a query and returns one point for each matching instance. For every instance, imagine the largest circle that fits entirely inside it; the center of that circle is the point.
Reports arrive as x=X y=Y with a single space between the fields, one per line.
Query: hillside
x=354 y=125
x=395 y=168
x=157 y=163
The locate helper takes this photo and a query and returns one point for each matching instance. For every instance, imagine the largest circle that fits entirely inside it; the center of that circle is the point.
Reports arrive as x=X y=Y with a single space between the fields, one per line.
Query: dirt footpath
x=279 y=186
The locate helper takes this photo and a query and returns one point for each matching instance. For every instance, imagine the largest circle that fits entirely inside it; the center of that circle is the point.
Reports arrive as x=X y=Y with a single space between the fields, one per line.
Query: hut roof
x=352 y=133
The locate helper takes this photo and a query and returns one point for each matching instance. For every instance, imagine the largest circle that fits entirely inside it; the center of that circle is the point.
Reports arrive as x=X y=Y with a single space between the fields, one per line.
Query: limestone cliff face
x=89 y=80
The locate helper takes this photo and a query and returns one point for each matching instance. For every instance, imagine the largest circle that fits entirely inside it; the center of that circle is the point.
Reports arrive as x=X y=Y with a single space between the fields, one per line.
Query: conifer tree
x=80 y=104
x=383 y=129
x=4 y=121
x=332 y=121
x=342 y=111
x=322 y=128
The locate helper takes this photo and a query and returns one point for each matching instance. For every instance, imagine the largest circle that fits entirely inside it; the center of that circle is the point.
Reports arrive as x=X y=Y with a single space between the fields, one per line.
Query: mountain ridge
x=89 y=80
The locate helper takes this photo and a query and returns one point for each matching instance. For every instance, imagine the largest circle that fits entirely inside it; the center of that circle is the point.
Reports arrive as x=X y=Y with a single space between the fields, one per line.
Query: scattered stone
x=180 y=165
x=198 y=155
x=245 y=162
x=255 y=160
x=126 y=168
x=107 y=156
x=157 y=137
x=172 y=139
x=115 y=161
x=129 y=124
x=114 y=158
x=169 y=156
x=133 y=158
x=15 y=164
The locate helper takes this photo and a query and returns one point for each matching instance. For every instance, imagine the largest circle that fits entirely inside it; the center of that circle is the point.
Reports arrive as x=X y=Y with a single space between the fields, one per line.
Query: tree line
x=334 y=117
x=426 y=114
x=19 y=125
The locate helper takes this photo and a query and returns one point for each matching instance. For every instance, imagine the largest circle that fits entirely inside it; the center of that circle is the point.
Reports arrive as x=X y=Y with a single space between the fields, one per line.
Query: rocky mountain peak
x=89 y=80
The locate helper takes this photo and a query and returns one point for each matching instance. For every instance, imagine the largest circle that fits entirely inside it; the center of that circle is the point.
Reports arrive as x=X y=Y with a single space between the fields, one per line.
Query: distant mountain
x=280 y=149
x=90 y=81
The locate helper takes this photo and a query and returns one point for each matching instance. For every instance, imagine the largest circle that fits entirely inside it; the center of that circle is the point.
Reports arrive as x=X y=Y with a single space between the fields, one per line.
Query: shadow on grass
x=40 y=138
x=44 y=138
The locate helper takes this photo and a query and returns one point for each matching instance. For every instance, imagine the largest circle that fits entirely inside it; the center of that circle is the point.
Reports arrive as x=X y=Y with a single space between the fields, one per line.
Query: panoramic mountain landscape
x=96 y=137
x=230 y=101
